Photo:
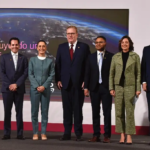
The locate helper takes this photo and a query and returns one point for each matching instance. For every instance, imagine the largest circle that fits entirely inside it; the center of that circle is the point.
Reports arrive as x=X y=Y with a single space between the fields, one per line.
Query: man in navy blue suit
x=69 y=75
x=97 y=81
x=14 y=71
x=145 y=75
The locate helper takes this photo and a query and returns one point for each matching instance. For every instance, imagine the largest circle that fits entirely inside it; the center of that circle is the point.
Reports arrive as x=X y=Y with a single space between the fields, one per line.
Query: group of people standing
x=78 y=73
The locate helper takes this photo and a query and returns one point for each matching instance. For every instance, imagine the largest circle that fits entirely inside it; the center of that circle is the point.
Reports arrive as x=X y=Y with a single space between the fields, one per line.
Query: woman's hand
x=138 y=93
x=40 y=88
x=112 y=92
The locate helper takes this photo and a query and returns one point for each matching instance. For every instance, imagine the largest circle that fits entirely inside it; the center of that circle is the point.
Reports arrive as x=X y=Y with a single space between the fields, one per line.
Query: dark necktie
x=71 y=52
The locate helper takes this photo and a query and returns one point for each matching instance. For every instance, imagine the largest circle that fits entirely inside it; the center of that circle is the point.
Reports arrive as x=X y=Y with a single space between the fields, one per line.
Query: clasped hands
x=40 y=89
x=13 y=87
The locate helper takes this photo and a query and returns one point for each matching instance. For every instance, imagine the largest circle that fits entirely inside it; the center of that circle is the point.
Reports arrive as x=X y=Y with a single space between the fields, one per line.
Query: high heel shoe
x=128 y=143
x=122 y=142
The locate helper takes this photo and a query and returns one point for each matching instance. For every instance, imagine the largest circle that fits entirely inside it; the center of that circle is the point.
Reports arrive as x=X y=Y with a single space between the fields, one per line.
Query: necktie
x=100 y=67
x=71 y=52
x=15 y=61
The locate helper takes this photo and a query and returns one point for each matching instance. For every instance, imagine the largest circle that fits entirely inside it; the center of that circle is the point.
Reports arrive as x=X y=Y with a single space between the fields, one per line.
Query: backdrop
x=31 y=25
x=139 y=31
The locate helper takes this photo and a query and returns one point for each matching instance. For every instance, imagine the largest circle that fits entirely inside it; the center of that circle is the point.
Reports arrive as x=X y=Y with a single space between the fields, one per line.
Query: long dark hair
x=131 y=47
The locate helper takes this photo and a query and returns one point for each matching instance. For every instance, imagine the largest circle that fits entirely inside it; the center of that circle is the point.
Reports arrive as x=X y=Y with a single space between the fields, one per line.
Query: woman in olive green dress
x=124 y=85
x=41 y=73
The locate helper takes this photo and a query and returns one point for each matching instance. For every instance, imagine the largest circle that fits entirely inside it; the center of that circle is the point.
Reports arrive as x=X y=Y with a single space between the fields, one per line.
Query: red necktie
x=71 y=52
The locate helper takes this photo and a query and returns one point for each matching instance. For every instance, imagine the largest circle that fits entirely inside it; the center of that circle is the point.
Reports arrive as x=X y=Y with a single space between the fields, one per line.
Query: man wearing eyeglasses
x=69 y=75
x=96 y=81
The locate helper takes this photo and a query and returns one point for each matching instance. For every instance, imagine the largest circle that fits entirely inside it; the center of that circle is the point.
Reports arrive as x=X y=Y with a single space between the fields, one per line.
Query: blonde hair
x=74 y=27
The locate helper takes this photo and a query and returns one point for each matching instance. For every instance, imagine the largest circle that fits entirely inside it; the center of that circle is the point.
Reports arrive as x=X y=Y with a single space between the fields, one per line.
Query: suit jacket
x=145 y=67
x=66 y=69
x=10 y=76
x=92 y=71
x=41 y=72
x=132 y=71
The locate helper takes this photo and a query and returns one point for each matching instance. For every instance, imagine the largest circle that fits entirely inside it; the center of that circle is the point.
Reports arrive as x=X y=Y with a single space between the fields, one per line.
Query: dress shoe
x=20 y=137
x=35 y=137
x=106 y=140
x=43 y=137
x=94 y=139
x=6 y=137
x=78 y=138
x=65 y=138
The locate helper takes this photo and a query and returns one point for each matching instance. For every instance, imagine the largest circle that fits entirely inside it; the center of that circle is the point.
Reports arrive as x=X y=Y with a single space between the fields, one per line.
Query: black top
x=124 y=59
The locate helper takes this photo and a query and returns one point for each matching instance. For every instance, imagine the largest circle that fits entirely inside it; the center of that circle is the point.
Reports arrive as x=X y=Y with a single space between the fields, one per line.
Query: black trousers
x=101 y=94
x=8 y=99
x=72 y=99
x=148 y=102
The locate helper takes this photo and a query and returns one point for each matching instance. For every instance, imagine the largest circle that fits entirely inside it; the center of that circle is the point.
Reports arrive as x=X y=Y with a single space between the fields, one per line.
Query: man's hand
x=112 y=92
x=40 y=88
x=144 y=85
x=138 y=93
x=82 y=86
x=13 y=87
x=59 y=85
x=86 y=92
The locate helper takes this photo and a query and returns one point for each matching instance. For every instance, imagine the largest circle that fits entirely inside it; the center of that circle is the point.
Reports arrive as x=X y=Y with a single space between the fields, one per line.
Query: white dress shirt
x=15 y=58
x=98 y=56
x=74 y=46
x=41 y=58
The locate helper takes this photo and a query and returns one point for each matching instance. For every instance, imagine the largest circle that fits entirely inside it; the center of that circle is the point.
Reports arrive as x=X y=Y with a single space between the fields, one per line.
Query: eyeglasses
x=71 y=33
x=99 y=42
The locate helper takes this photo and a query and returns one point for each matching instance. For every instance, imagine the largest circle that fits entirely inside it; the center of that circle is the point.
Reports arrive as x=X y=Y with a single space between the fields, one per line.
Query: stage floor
x=53 y=143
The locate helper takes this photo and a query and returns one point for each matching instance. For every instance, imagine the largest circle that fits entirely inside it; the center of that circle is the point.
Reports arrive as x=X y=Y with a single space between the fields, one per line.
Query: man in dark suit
x=96 y=81
x=145 y=76
x=69 y=74
x=14 y=71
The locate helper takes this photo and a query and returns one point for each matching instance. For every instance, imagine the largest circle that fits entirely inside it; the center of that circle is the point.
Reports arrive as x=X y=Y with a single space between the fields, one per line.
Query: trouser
x=36 y=99
x=101 y=94
x=8 y=99
x=148 y=102
x=124 y=103
x=72 y=99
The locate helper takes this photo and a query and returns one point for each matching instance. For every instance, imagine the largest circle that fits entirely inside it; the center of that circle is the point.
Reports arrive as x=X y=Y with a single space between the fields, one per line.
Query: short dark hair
x=101 y=37
x=41 y=41
x=14 y=38
x=131 y=47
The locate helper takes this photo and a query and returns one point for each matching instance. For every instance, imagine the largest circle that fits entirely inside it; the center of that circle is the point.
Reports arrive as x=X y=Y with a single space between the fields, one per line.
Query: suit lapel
x=105 y=59
x=19 y=61
x=119 y=58
x=66 y=49
x=77 y=49
x=130 y=60
x=95 y=61
x=11 y=62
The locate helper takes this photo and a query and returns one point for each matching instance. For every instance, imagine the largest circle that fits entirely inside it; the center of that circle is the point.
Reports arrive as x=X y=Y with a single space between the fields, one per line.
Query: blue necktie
x=100 y=67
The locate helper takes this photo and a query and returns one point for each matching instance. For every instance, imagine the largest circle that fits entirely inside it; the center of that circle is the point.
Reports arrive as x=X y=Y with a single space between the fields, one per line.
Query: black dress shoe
x=78 y=138
x=65 y=138
x=20 y=137
x=6 y=137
